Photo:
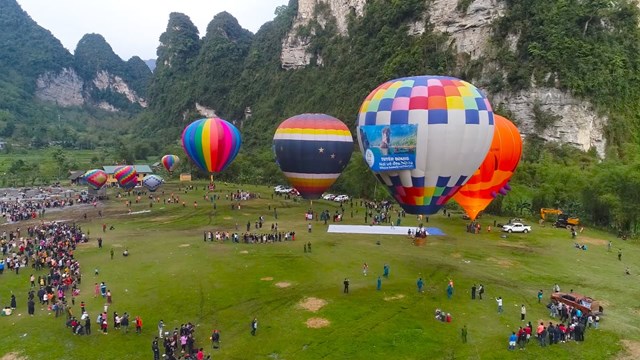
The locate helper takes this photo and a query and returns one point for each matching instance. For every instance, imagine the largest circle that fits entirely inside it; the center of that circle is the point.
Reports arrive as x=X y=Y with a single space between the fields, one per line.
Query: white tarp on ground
x=371 y=229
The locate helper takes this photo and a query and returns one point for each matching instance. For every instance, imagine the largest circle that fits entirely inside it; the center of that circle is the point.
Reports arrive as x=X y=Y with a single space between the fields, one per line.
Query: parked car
x=516 y=227
x=328 y=196
x=341 y=198
x=281 y=189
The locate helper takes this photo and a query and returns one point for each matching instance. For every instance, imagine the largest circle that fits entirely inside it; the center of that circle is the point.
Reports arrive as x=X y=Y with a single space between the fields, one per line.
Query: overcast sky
x=133 y=27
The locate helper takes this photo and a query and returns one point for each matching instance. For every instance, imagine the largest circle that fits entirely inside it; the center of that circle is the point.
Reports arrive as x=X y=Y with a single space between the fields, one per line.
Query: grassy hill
x=172 y=274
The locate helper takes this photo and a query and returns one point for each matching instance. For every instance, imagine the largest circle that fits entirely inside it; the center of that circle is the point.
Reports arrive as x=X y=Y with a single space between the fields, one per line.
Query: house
x=75 y=176
x=141 y=170
x=185 y=177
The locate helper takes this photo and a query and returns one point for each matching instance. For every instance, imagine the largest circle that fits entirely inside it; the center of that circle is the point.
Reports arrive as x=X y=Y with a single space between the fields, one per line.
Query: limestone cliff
x=294 y=46
x=106 y=81
x=63 y=88
x=470 y=30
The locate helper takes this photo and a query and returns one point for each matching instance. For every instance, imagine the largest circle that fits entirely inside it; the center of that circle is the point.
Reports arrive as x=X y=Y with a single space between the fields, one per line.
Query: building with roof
x=141 y=170
x=75 y=176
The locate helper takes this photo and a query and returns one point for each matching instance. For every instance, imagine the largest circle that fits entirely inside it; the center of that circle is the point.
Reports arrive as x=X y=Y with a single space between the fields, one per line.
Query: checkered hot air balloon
x=211 y=143
x=493 y=175
x=95 y=178
x=152 y=182
x=312 y=150
x=424 y=137
x=127 y=177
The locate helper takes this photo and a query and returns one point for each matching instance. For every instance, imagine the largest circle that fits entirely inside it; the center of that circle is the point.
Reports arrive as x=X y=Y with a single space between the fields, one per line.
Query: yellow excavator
x=564 y=221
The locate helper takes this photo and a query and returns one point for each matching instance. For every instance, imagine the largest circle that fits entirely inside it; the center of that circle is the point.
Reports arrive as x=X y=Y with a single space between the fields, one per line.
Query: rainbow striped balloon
x=95 y=178
x=170 y=162
x=126 y=176
x=312 y=150
x=211 y=143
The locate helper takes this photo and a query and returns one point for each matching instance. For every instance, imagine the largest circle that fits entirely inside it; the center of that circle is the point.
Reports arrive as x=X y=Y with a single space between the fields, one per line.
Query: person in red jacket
x=138 y=324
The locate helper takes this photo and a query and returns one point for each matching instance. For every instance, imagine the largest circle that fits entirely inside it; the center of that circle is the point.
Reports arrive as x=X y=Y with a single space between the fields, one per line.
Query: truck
x=587 y=305
x=516 y=227
x=563 y=220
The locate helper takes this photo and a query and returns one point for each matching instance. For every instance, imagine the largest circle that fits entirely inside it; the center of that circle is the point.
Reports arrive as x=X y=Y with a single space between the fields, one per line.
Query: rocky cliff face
x=470 y=32
x=107 y=81
x=63 y=88
x=294 y=47
x=66 y=88
x=578 y=124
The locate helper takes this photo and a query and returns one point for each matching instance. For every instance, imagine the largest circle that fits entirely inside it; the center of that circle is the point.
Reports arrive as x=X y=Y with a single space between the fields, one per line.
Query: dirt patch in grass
x=184 y=245
x=244 y=252
x=591 y=241
x=312 y=304
x=394 y=297
x=268 y=278
x=317 y=323
x=283 y=284
x=116 y=245
x=632 y=350
x=456 y=255
x=13 y=356
x=503 y=263
x=227 y=218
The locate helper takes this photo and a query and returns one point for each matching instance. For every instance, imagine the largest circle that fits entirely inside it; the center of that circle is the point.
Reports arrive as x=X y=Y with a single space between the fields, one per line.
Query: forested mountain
x=49 y=96
x=565 y=71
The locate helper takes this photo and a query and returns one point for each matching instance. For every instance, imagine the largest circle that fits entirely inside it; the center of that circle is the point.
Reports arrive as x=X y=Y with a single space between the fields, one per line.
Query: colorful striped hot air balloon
x=127 y=177
x=211 y=143
x=424 y=137
x=95 y=178
x=493 y=175
x=152 y=182
x=170 y=162
x=312 y=150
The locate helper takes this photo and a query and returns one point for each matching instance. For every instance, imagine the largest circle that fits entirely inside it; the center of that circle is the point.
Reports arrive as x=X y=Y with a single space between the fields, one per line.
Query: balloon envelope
x=211 y=143
x=493 y=175
x=152 y=182
x=170 y=162
x=95 y=178
x=126 y=176
x=312 y=150
x=424 y=137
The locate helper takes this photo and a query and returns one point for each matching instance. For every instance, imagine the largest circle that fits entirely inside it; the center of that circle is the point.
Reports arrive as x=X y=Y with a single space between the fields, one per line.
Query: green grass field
x=173 y=275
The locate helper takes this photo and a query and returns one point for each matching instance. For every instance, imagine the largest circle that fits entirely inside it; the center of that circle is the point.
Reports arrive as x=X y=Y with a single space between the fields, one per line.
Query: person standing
x=365 y=268
x=87 y=325
x=215 y=339
x=480 y=291
x=619 y=254
x=346 y=286
x=254 y=326
x=379 y=283
x=309 y=246
x=449 y=290
x=473 y=292
x=160 y=329
x=386 y=270
x=309 y=227
x=13 y=302
x=523 y=312
x=138 y=325
x=155 y=349
x=31 y=307
x=464 y=334
x=609 y=246
x=111 y=252
x=499 y=302
x=539 y=296
x=420 y=284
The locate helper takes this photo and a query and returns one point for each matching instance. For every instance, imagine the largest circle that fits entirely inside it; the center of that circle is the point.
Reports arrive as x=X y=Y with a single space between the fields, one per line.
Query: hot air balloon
x=493 y=175
x=152 y=182
x=126 y=176
x=95 y=178
x=211 y=143
x=170 y=162
x=312 y=150
x=424 y=137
